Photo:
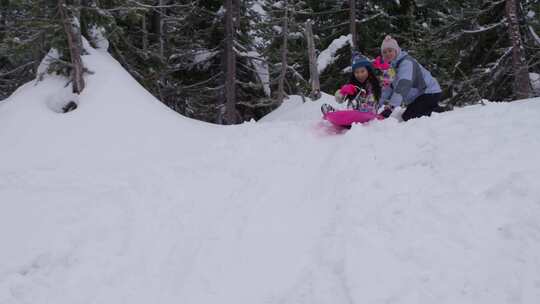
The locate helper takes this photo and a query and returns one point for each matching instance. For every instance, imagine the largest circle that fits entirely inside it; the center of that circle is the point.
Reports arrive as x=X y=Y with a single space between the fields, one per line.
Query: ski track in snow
x=124 y=201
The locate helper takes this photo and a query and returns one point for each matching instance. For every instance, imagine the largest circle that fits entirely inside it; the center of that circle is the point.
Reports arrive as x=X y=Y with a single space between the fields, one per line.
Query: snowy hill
x=125 y=201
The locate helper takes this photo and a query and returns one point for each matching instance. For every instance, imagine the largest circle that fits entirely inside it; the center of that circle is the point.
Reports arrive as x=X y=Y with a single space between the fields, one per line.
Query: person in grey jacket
x=412 y=87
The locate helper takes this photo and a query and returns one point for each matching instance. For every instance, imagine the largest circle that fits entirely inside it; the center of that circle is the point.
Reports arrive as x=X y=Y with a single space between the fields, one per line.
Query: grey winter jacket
x=411 y=81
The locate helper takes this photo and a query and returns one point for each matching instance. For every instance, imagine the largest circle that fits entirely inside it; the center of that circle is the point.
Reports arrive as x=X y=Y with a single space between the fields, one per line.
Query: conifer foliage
x=229 y=61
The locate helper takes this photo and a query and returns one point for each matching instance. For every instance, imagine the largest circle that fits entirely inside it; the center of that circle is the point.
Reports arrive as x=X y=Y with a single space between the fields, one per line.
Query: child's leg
x=325 y=108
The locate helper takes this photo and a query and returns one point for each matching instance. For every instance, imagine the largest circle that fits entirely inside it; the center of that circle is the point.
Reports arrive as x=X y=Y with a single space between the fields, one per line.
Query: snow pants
x=423 y=105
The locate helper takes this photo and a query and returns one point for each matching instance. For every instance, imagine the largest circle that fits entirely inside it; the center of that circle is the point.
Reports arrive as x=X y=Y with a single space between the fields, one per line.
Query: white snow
x=257 y=7
x=327 y=57
x=221 y=11
x=535 y=82
x=125 y=201
x=535 y=36
x=296 y=35
x=98 y=37
x=483 y=28
x=262 y=70
x=261 y=15
x=203 y=55
x=294 y=110
x=75 y=22
x=278 y=5
x=199 y=58
x=347 y=70
x=46 y=62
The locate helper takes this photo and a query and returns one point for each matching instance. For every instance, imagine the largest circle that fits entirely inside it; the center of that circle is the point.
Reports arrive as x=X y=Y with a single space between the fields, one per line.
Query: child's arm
x=386 y=94
x=403 y=83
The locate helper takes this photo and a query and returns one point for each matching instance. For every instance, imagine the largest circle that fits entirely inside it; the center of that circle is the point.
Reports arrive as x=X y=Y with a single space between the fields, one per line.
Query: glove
x=380 y=64
x=387 y=110
x=348 y=89
x=363 y=93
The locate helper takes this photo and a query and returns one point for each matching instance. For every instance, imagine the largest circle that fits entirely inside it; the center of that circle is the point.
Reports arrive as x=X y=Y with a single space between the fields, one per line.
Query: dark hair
x=373 y=81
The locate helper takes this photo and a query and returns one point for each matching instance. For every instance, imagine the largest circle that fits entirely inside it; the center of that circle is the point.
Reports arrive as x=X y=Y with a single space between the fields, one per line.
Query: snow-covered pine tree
x=470 y=45
x=253 y=75
x=195 y=77
x=18 y=60
x=36 y=32
x=175 y=49
x=135 y=32
x=273 y=30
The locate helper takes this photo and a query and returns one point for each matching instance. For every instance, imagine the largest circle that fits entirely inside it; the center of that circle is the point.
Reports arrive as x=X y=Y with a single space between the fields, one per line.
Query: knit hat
x=390 y=43
x=360 y=61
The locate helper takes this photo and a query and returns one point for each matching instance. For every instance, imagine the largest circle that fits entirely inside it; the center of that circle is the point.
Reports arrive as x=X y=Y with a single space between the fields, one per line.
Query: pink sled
x=345 y=118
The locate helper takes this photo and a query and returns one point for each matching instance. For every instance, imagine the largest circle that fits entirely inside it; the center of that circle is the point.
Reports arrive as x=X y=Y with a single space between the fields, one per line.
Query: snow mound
x=125 y=201
x=298 y=109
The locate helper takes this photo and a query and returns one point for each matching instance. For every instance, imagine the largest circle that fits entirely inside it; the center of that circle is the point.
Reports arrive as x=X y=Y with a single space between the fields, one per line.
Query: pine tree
x=296 y=71
x=177 y=49
x=196 y=77
x=26 y=33
x=36 y=27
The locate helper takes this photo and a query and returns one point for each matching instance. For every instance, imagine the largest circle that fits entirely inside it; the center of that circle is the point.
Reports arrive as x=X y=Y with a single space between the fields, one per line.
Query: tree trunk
x=313 y=70
x=230 y=115
x=519 y=63
x=284 y=50
x=161 y=29
x=354 y=31
x=144 y=33
x=71 y=22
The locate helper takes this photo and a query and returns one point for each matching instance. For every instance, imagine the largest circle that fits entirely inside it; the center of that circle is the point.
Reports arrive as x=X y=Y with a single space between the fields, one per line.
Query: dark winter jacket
x=371 y=86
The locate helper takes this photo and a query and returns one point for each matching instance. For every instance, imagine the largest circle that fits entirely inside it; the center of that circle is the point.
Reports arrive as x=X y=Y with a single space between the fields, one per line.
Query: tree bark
x=354 y=31
x=313 y=70
x=284 y=51
x=230 y=115
x=71 y=23
x=162 y=33
x=144 y=33
x=519 y=63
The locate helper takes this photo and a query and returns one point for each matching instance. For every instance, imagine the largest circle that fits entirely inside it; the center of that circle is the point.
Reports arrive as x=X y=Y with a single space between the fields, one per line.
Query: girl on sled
x=362 y=92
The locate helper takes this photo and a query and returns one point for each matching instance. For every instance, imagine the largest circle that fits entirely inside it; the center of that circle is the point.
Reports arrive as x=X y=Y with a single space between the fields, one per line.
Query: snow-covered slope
x=125 y=201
